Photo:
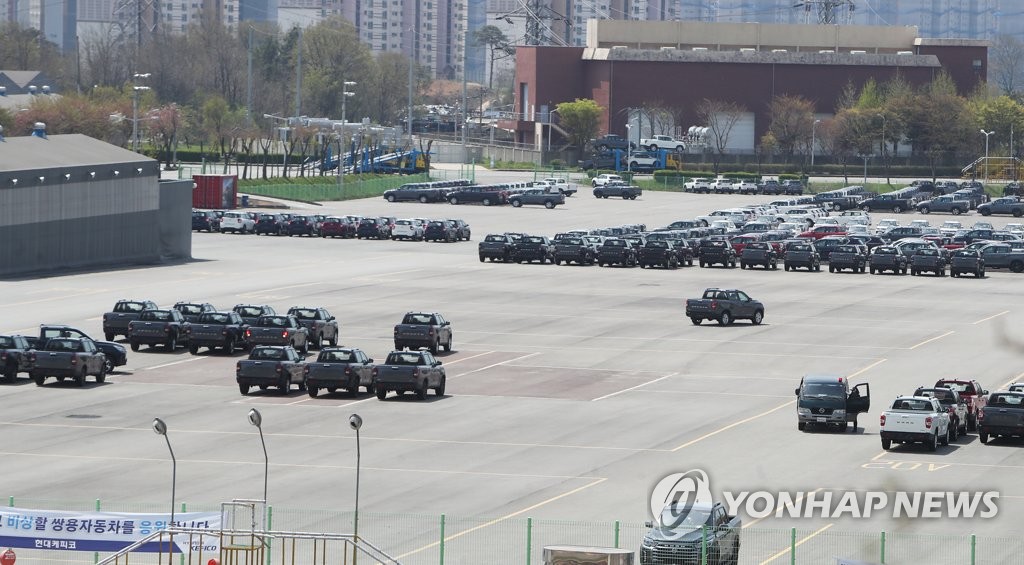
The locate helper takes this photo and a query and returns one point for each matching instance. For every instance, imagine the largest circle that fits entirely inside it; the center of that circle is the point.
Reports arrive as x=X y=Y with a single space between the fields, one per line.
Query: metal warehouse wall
x=175 y=219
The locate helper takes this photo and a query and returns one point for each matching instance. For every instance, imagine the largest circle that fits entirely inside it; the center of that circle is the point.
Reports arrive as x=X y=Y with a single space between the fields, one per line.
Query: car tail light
x=167 y=328
x=305 y=370
x=928 y=422
x=284 y=333
x=430 y=331
x=348 y=370
x=881 y=420
x=131 y=326
x=981 y=414
x=374 y=373
x=74 y=359
x=416 y=372
x=105 y=317
x=238 y=368
x=248 y=333
x=714 y=304
x=279 y=368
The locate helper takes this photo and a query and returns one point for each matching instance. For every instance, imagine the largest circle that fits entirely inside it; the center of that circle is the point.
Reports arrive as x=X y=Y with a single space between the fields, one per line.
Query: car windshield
x=340 y=356
x=1016 y=400
x=824 y=390
x=268 y=217
x=925 y=251
x=885 y=251
x=156 y=315
x=214 y=318
x=800 y=247
x=966 y=253
x=496 y=238
x=6 y=342
x=190 y=309
x=249 y=312
x=912 y=404
x=132 y=307
x=269 y=353
x=959 y=387
x=686 y=519
x=571 y=241
x=403 y=223
x=614 y=243
x=396 y=358
x=273 y=322
x=418 y=319
x=304 y=313
x=535 y=239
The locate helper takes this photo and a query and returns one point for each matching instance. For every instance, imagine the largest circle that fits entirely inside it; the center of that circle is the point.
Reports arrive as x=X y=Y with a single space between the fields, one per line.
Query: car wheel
x=108 y=363
x=982 y=437
x=1017 y=213
x=172 y=343
x=516 y=203
x=801 y=426
x=448 y=344
x=193 y=349
x=312 y=391
x=866 y=208
x=887 y=444
x=134 y=345
x=439 y=391
x=831 y=268
x=980 y=274
x=785 y=267
x=972 y=423
x=244 y=389
x=946 y=440
x=486 y=202
x=423 y=199
x=933 y=445
x=1017 y=266
x=381 y=393
x=453 y=200
x=283 y=386
x=421 y=391
x=758 y=318
x=39 y=379
x=925 y=210
x=696 y=321
x=80 y=378
x=109 y=336
x=102 y=375
x=957 y=211
x=549 y=204
x=725 y=319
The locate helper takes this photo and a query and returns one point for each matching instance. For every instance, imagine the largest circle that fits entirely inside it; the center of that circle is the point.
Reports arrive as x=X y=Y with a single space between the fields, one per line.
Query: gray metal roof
x=760 y=57
x=61 y=151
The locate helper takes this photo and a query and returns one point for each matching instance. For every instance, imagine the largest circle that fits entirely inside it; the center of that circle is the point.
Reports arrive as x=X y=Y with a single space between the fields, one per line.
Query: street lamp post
x=345 y=95
x=551 y=122
x=135 y=115
x=355 y=422
x=885 y=162
x=281 y=134
x=256 y=419
x=986 y=133
x=813 y=127
x=161 y=429
x=629 y=149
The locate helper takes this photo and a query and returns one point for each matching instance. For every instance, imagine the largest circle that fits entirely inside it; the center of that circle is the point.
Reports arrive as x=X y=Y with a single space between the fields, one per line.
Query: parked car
x=946 y=203
x=338 y=226
x=15 y=356
x=158 y=327
x=271 y=224
x=496 y=247
x=612 y=141
x=605 y=178
x=116 y=322
x=973 y=394
x=340 y=368
x=1006 y=205
x=801 y=254
x=237 y=222
x=217 y=329
x=825 y=401
x=252 y=312
x=622 y=190
x=424 y=329
x=278 y=330
x=616 y=251
x=853 y=257
x=408 y=229
x=657 y=253
x=575 y=250
x=928 y=260
x=967 y=261
x=759 y=253
x=533 y=248
x=951 y=401
x=205 y=220
x=271 y=366
x=460 y=229
x=915 y=419
x=191 y=311
x=68 y=358
x=410 y=371
x=375 y=228
x=538 y=197
x=888 y=258
x=697 y=534
x=725 y=306
x=320 y=325
x=1002 y=417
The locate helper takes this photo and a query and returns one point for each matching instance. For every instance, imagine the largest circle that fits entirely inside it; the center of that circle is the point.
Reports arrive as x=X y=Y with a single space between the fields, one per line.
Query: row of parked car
x=320 y=225
x=548 y=192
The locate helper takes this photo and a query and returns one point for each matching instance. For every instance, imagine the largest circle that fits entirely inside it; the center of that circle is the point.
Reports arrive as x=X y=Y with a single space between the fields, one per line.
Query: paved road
x=572 y=390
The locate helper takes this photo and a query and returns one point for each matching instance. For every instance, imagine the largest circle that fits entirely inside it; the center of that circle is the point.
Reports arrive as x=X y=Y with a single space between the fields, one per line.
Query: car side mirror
x=648 y=524
x=370 y=360
x=796 y=391
x=446 y=323
x=437 y=363
x=984 y=392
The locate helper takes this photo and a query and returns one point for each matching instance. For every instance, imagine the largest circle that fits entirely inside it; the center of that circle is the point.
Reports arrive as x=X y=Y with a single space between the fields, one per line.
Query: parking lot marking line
x=468 y=358
x=264 y=290
x=860 y=372
x=567 y=368
x=1011 y=381
x=936 y=338
x=661 y=391
x=797 y=544
x=633 y=387
x=678 y=339
x=357 y=401
x=96 y=319
x=676 y=351
x=990 y=317
x=732 y=425
x=528 y=355
x=501 y=519
x=179 y=362
x=879 y=456
x=944 y=462
x=799 y=497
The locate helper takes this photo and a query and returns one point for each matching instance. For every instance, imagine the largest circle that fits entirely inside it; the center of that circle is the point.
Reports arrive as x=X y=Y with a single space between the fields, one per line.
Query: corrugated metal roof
x=58 y=151
x=760 y=57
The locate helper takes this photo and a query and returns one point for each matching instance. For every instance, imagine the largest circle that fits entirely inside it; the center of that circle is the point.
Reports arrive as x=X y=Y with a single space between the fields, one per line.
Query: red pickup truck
x=972 y=393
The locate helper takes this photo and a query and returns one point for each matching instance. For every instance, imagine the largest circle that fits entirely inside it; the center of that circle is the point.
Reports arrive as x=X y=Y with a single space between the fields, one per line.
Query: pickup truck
x=886 y=202
x=946 y=203
x=158 y=327
x=191 y=311
x=537 y=196
x=252 y=312
x=115 y=323
x=853 y=257
x=271 y=366
x=616 y=251
x=533 y=248
x=888 y=258
x=657 y=253
x=612 y=141
x=424 y=329
x=657 y=142
x=496 y=247
x=726 y=306
x=115 y=353
x=953 y=403
x=967 y=261
x=915 y=419
x=68 y=357
x=319 y=323
x=759 y=253
x=561 y=185
x=1002 y=417
x=575 y=250
x=416 y=371
x=217 y=329
x=338 y=367
x=770 y=186
x=620 y=189
x=15 y=356
x=972 y=393
x=716 y=252
x=830 y=401
x=1005 y=205
x=801 y=255
x=278 y=330
x=417 y=193
x=698 y=534
x=928 y=260
x=1003 y=256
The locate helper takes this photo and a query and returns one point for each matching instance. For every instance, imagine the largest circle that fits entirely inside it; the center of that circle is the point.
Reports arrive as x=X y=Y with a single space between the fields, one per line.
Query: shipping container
x=218 y=192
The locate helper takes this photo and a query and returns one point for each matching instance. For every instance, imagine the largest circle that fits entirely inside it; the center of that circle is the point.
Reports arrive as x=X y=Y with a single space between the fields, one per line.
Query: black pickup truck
x=252 y=312
x=726 y=306
x=716 y=252
x=158 y=327
x=534 y=248
x=192 y=310
x=68 y=358
x=928 y=260
x=622 y=190
x=424 y=329
x=319 y=323
x=496 y=247
x=759 y=253
x=15 y=356
x=1003 y=416
x=890 y=202
x=577 y=250
x=888 y=258
x=967 y=261
x=217 y=329
x=698 y=534
x=278 y=330
x=271 y=366
x=853 y=257
x=657 y=253
x=115 y=353
x=339 y=367
x=616 y=251
x=802 y=255
x=416 y=371
x=115 y=323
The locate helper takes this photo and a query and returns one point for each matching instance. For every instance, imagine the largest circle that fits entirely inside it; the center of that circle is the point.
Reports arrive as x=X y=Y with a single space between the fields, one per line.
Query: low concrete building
x=71 y=202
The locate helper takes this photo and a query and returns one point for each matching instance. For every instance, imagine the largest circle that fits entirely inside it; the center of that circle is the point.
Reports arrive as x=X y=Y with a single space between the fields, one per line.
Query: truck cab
x=692 y=534
x=830 y=401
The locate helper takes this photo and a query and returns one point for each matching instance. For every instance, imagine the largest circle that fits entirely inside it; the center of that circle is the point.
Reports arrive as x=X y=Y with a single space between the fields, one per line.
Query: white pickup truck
x=562 y=185
x=663 y=142
x=915 y=419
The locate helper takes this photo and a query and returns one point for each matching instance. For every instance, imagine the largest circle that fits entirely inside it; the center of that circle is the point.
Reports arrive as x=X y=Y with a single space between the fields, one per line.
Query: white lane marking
x=179 y=362
x=860 y=372
x=936 y=338
x=660 y=391
x=652 y=381
x=495 y=365
x=679 y=339
x=797 y=544
x=262 y=290
x=993 y=316
x=733 y=425
x=447 y=363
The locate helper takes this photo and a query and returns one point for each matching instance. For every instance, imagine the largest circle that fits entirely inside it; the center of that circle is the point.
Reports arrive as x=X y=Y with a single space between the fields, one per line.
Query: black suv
x=302 y=225
x=270 y=224
x=377 y=228
x=716 y=252
x=439 y=230
x=460 y=229
x=203 y=220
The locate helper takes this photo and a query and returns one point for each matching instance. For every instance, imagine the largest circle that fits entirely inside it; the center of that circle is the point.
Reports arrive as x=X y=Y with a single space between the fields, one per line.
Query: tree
x=333 y=54
x=163 y=130
x=1002 y=115
x=792 y=118
x=1006 y=58
x=941 y=124
x=720 y=117
x=496 y=41
x=580 y=118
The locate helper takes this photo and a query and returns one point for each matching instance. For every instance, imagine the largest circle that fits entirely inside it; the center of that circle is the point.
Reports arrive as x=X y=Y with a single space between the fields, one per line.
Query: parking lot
x=572 y=390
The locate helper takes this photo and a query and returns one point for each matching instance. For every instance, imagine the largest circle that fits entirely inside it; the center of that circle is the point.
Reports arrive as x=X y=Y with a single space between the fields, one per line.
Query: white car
x=857 y=229
x=237 y=222
x=663 y=142
x=603 y=179
x=827 y=222
x=886 y=225
x=793 y=227
x=408 y=229
x=1016 y=229
x=562 y=185
x=920 y=224
x=950 y=227
x=915 y=419
x=854 y=217
x=697 y=185
x=982 y=226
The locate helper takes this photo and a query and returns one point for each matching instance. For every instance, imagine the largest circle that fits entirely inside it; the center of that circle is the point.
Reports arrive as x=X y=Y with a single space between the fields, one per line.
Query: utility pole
x=465 y=102
x=248 y=86
x=298 y=79
x=408 y=124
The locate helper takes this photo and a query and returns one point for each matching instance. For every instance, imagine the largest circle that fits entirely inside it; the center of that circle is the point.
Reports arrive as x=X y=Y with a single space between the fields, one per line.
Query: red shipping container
x=217 y=192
